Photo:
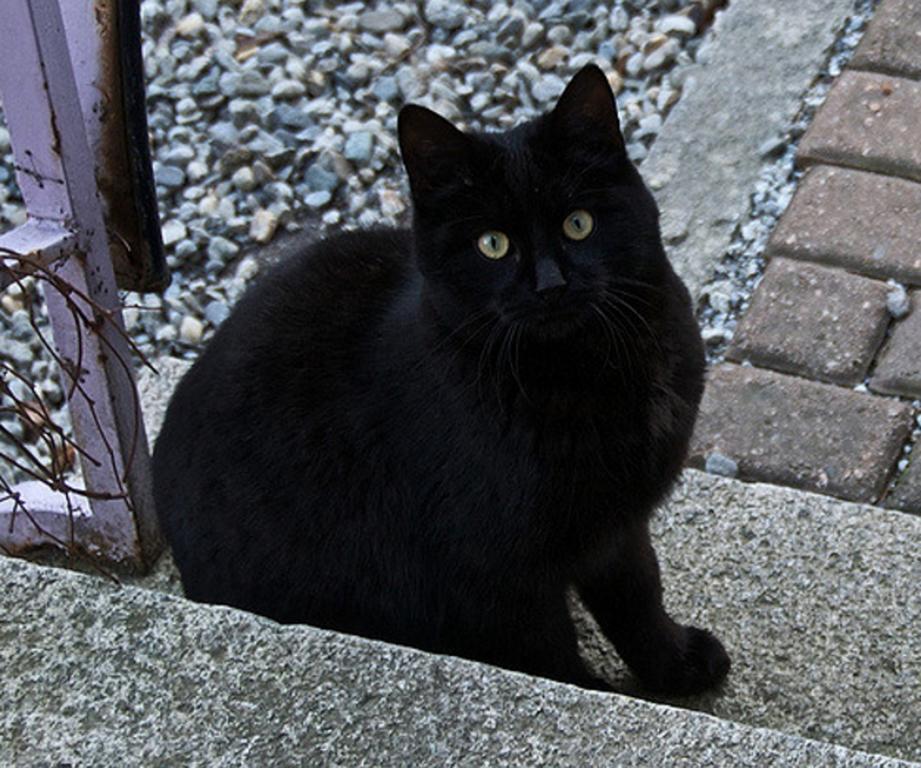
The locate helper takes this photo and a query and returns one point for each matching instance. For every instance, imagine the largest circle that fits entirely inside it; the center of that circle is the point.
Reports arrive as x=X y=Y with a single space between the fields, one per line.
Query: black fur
x=397 y=437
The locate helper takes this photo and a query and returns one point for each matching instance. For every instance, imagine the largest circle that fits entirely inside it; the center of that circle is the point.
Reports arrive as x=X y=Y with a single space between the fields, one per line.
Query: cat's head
x=537 y=224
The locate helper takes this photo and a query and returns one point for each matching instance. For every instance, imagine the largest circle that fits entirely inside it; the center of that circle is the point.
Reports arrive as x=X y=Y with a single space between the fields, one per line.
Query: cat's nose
x=549 y=282
x=552 y=294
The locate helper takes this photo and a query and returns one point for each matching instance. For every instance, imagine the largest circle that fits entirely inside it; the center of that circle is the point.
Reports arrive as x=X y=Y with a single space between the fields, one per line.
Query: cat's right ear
x=433 y=150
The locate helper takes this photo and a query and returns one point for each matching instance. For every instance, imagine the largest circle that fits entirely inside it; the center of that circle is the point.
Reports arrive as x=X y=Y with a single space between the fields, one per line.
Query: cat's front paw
x=699 y=663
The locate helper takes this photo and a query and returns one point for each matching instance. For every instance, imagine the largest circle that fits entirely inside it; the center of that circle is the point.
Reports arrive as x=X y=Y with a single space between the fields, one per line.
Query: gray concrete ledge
x=95 y=674
x=816 y=599
x=746 y=89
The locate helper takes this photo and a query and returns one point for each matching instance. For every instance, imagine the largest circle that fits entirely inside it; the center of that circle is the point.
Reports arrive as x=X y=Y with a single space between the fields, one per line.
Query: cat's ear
x=433 y=150
x=587 y=110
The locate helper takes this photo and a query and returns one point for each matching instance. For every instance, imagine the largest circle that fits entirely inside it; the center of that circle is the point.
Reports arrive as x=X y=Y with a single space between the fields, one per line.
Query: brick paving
x=868 y=121
x=861 y=221
x=907 y=493
x=792 y=431
x=816 y=322
x=898 y=371
x=892 y=44
x=829 y=391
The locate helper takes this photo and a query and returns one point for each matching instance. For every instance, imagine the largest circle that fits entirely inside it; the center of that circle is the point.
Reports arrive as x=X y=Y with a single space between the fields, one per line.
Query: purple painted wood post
x=55 y=171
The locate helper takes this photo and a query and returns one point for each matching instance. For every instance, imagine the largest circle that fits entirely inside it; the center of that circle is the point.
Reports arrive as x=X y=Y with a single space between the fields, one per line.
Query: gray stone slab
x=868 y=121
x=805 y=434
x=898 y=370
x=817 y=601
x=862 y=221
x=815 y=598
x=745 y=91
x=892 y=43
x=813 y=321
x=907 y=492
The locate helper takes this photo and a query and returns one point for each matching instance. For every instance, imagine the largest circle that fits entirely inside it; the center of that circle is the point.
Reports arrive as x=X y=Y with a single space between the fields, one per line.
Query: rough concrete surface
x=817 y=601
x=813 y=321
x=100 y=675
x=748 y=86
x=854 y=219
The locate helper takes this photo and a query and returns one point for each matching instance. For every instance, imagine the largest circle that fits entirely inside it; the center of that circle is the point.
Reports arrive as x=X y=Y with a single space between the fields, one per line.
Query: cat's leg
x=534 y=634
x=551 y=650
x=626 y=600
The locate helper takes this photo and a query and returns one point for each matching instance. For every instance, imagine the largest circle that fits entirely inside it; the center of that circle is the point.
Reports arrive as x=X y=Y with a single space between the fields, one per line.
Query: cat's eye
x=578 y=225
x=493 y=244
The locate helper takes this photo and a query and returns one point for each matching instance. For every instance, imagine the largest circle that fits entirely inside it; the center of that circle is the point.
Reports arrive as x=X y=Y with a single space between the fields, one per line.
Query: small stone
x=532 y=34
x=358 y=147
x=170 y=177
x=321 y=179
x=317 y=199
x=718 y=464
x=244 y=179
x=10 y=303
x=221 y=249
x=173 y=231
x=897 y=302
x=191 y=329
x=549 y=87
x=166 y=333
x=384 y=20
x=445 y=14
x=252 y=83
x=551 y=58
x=251 y=10
x=225 y=134
x=216 y=312
x=391 y=201
x=263 y=226
x=396 y=45
x=386 y=88
x=190 y=25
x=678 y=24
x=773 y=147
x=247 y=269
x=634 y=64
x=288 y=89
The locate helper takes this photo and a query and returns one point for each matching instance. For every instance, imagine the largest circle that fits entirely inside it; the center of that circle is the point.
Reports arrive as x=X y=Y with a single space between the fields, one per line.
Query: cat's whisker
x=629 y=339
x=626 y=305
x=516 y=360
x=612 y=334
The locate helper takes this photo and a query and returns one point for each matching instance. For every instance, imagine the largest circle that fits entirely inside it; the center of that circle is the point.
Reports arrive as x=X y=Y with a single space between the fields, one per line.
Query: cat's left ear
x=587 y=110
x=433 y=150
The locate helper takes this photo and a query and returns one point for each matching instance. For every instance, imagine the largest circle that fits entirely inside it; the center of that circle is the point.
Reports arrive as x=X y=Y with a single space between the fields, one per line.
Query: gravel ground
x=266 y=116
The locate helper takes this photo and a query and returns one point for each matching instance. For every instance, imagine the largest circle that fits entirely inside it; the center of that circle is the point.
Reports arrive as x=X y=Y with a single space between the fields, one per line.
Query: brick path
x=825 y=374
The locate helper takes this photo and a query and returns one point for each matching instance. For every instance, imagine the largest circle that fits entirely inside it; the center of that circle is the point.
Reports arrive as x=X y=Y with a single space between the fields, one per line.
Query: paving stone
x=892 y=43
x=813 y=321
x=868 y=121
x=907 y=493
x=805 y=434
x=862 y=221
x=898 y=371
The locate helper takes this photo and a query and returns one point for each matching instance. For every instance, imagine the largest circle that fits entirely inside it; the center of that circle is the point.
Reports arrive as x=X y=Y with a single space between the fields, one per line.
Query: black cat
x=428 y=436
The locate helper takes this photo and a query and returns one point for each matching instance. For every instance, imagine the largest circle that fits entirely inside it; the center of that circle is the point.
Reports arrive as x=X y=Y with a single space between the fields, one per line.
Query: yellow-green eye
x=493 y=244
x=578 y=225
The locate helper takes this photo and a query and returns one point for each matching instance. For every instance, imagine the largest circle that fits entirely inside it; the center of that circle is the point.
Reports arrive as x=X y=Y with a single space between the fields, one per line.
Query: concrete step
x=97 y=674
x=816 y=600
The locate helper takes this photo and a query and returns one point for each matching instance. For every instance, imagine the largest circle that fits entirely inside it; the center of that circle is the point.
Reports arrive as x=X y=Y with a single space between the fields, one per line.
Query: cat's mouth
x=555 y=323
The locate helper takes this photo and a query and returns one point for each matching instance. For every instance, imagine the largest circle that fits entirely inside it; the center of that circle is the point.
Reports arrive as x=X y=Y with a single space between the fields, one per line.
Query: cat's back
x=268 y=397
